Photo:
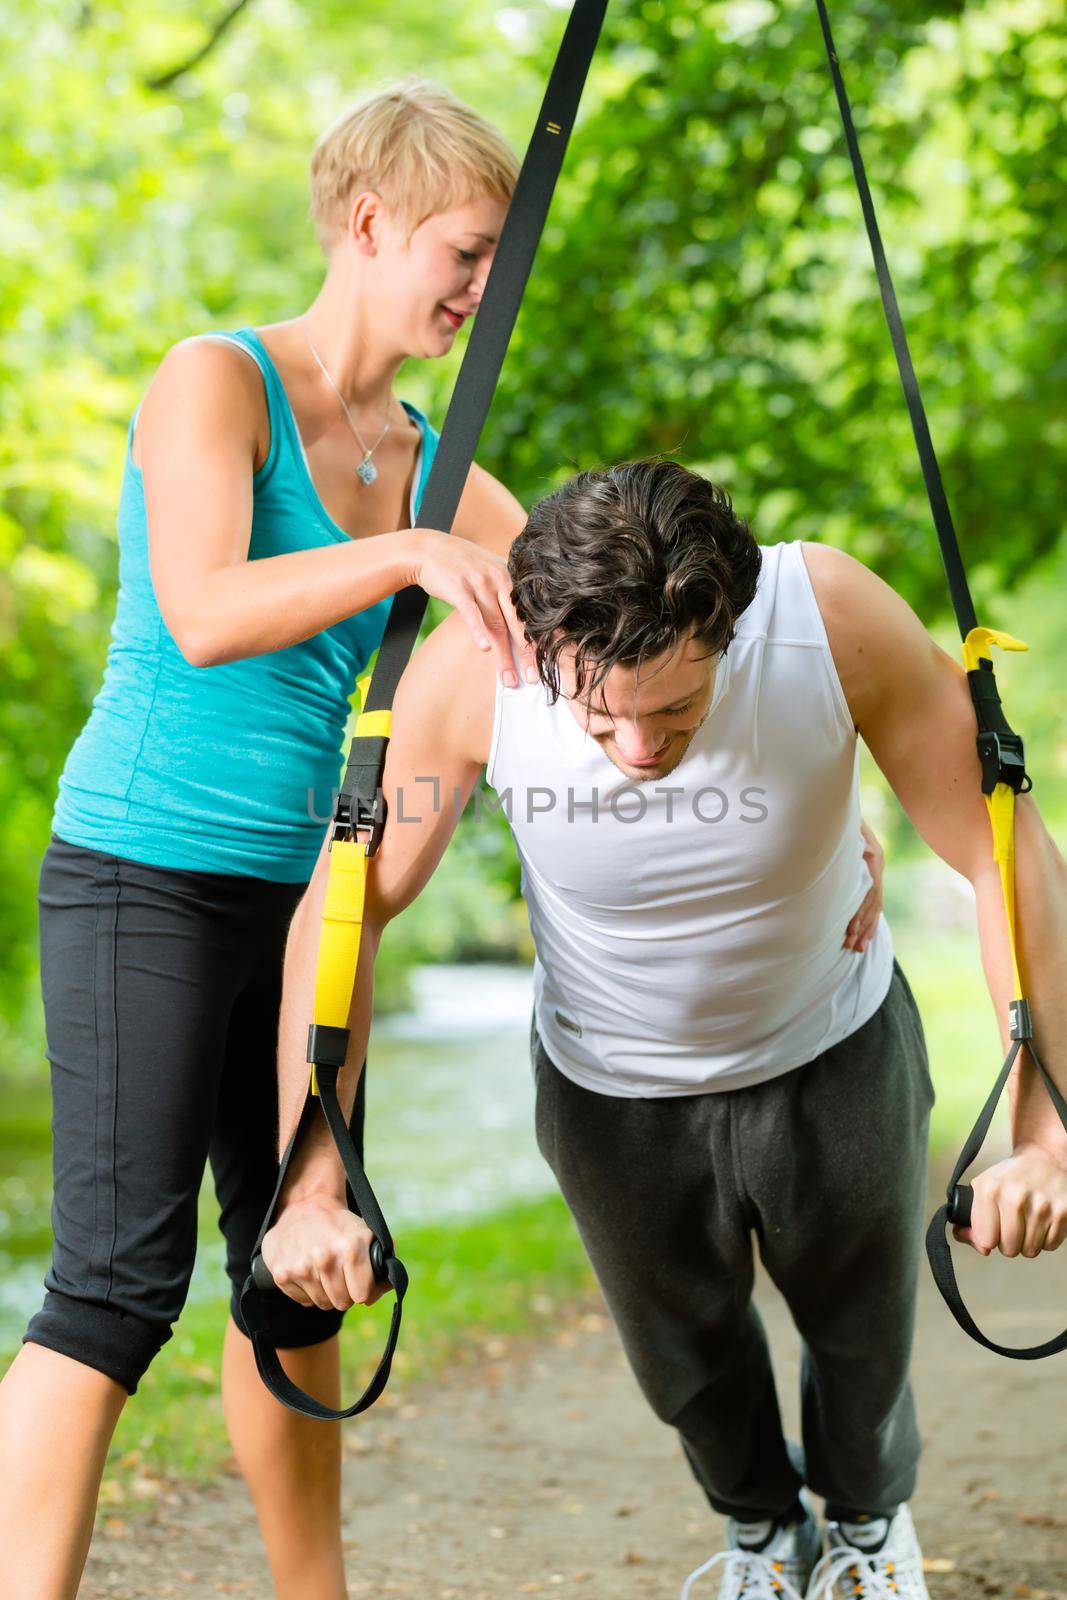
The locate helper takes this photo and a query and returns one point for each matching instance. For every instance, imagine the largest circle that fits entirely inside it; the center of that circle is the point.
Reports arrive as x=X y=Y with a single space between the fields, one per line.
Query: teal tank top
x=229 y=768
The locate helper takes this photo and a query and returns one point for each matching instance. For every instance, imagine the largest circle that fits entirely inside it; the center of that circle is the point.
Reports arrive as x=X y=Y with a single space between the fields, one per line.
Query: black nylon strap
x=1000 y=749
x=957 y=1211
x=959 y=589
x=357 y=805
x=364 y=1202
x=487 y=346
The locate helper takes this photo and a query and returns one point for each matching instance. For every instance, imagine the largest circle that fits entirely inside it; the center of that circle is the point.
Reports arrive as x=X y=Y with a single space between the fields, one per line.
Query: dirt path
x=544 y=1474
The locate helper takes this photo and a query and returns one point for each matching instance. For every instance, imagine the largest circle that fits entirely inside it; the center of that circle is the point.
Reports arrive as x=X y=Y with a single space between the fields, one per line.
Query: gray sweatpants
x=826 y=1167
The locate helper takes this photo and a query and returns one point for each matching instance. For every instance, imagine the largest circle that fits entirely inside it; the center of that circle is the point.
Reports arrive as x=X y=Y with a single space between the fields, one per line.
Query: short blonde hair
x=416 y=145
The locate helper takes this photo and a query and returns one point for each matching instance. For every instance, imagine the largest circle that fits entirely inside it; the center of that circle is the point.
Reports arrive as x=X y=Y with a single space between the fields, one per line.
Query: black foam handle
x=959 y=1206
x=957 y=1212
x=261 y=1273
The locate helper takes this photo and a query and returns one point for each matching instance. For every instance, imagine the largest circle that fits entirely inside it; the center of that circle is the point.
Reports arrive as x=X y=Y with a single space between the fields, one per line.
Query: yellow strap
x=370 y=724
x=1001 y=807
x=1001 y=803
x=342 y=914
x=339 y=940
x=373 y=724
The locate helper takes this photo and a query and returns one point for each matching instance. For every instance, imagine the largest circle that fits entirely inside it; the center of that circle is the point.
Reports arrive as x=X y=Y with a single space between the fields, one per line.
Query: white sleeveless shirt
x=689 y=930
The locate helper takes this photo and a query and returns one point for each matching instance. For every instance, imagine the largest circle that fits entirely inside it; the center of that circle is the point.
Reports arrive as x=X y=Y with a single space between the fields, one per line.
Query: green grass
x=512 y=1274
x=515 y=1274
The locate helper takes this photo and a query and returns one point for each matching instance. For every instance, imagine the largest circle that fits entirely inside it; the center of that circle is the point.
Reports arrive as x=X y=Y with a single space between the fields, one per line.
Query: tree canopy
x=704 y=286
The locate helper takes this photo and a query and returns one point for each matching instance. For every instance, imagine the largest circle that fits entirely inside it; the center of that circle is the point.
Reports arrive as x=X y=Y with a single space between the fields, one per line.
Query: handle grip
x=261 y=1273
x=959 y=1207
x=957 y=1210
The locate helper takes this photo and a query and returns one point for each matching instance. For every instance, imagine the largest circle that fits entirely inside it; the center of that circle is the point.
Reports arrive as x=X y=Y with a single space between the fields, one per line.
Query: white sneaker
x=764 y=1560
x=876 y=1559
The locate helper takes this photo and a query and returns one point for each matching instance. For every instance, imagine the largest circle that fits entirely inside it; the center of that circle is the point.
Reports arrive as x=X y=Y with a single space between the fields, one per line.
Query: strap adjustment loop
x=1020 y=1021
x=1000 y=748
x=1003 y=761
x=357 y=818
x=327 y=1046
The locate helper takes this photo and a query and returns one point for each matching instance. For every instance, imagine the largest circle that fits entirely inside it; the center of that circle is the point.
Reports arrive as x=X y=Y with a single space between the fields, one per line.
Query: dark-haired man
x=681 y=781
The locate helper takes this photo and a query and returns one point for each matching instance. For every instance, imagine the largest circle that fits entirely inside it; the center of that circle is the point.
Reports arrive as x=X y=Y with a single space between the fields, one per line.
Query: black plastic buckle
x=1020 y=1021
x=1003 y=761
x=370 y=820
x=327 y=1046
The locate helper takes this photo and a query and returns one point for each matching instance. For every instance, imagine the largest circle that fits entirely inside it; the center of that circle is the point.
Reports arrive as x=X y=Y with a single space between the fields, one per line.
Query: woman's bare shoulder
x=215 y=379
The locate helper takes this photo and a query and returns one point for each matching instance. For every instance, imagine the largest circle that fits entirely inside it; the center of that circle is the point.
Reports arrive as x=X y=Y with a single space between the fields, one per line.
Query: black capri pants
x=161 y=996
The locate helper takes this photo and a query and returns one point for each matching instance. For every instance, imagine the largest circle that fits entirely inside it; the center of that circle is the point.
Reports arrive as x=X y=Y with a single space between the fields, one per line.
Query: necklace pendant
x=367 y=472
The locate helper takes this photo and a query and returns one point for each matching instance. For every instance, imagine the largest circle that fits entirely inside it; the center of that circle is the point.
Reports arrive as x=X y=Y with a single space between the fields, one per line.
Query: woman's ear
x=366 y=222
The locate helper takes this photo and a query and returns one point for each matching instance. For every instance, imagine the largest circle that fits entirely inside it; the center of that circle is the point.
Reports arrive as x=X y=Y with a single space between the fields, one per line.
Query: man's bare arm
x=488 y=513
x=912 y=706
x=442 y=722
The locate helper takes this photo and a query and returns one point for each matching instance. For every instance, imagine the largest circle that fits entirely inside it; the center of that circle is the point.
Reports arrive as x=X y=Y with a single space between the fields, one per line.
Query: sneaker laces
x=875 y=1575
x=747 y=1575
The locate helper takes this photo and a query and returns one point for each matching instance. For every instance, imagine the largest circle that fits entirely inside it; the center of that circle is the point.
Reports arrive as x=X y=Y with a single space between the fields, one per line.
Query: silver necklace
x=366 y=471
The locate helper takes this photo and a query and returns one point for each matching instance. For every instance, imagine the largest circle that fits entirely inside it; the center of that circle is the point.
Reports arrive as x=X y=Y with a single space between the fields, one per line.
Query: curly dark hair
x=622 y=561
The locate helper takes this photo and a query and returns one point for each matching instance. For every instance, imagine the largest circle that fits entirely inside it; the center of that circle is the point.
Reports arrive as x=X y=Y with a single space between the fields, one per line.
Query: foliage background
x=704 y=287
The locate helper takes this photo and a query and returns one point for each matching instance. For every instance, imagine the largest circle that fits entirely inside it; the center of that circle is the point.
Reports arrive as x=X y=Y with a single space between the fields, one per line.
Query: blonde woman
x=271 y=484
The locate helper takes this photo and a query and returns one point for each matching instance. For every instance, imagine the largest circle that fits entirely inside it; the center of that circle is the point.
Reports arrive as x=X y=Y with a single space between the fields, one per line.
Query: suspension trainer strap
x=360 y=815
x=957 y=1208
x=1000 y=748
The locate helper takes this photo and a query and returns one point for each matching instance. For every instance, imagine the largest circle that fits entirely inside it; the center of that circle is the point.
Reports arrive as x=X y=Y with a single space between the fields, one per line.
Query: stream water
x=449 y=1128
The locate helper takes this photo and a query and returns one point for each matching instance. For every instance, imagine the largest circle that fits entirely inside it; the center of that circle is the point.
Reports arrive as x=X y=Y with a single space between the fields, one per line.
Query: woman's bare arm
x=198 y=434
